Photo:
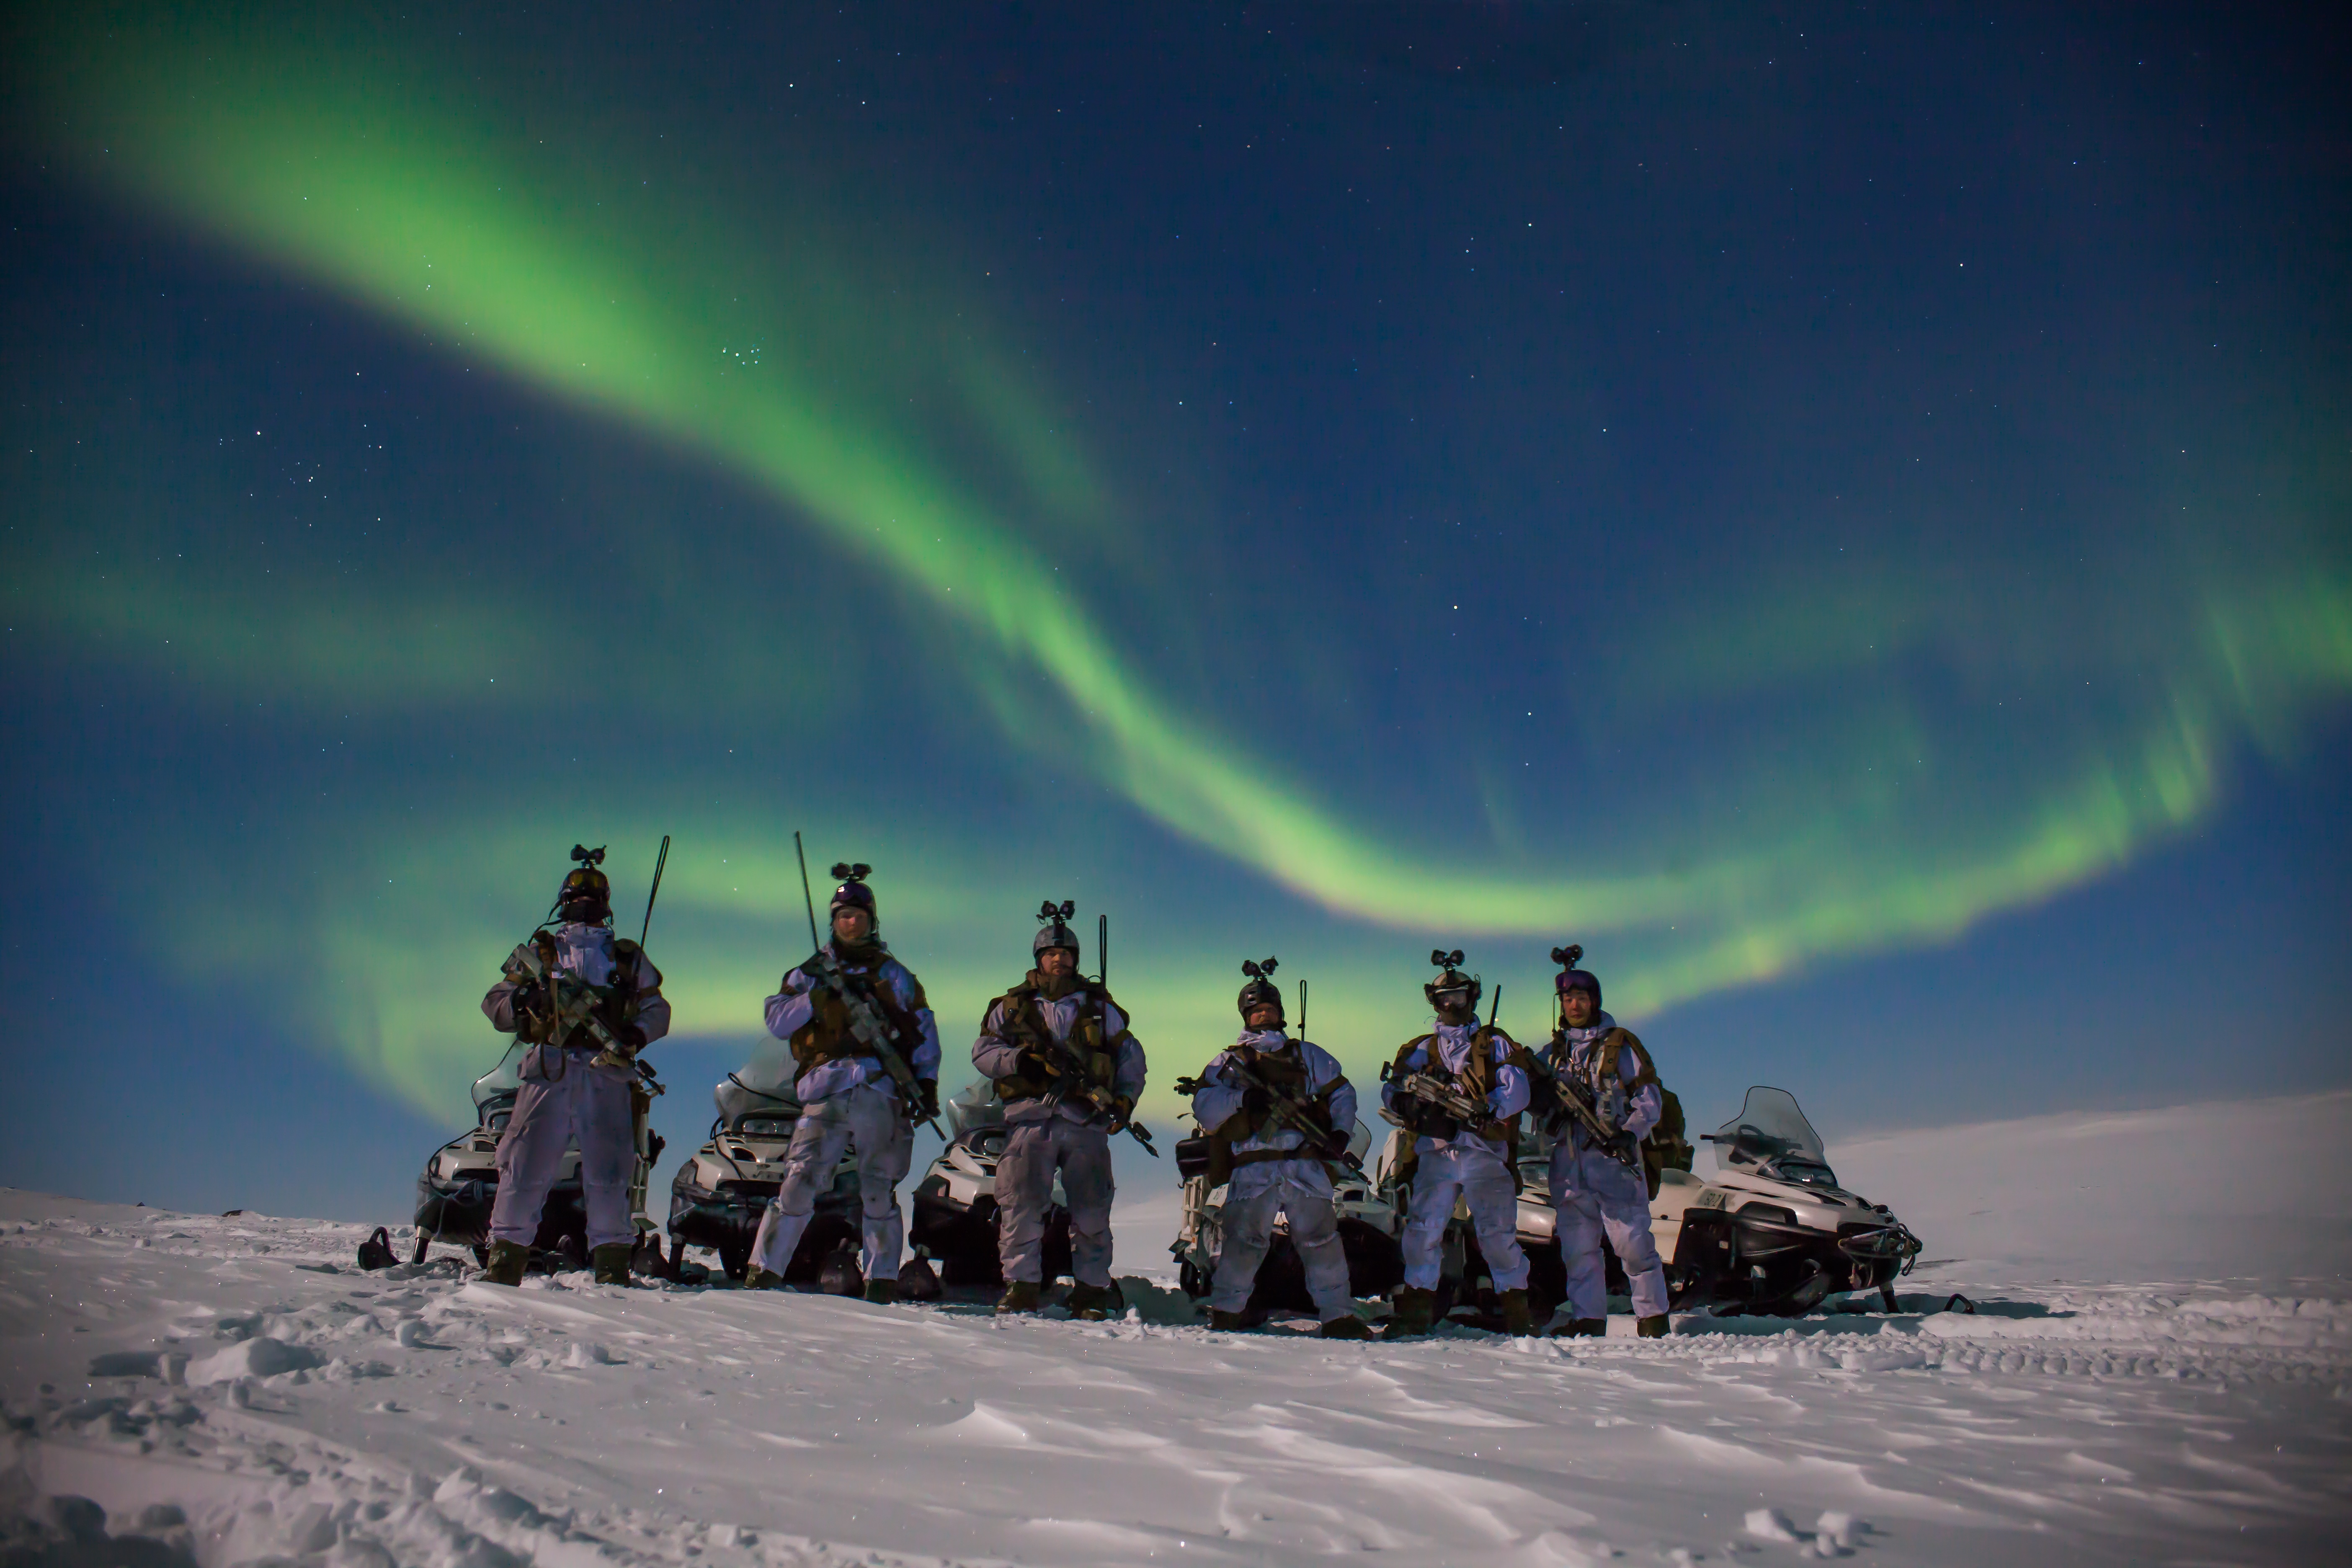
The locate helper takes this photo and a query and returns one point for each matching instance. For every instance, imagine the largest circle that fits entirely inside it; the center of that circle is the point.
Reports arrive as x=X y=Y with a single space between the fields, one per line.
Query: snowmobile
x=955 y=1202
x=718 y=1198
x=1370 y=1226
x=1772 y=1234
x=461 y=1182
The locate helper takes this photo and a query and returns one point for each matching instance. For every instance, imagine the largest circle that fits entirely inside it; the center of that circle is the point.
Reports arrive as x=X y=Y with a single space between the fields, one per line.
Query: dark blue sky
x=1843 y=511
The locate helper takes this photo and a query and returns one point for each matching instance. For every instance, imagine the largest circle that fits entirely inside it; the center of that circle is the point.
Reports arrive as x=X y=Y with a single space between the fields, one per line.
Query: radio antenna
x=807 y=897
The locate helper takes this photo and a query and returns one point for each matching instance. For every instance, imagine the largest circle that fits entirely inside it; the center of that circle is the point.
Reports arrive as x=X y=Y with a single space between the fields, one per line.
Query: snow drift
x=224 y=1390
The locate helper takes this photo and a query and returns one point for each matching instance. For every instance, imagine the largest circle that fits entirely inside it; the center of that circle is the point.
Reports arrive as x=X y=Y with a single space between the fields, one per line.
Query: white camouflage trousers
x=1024 y=1191
x=1593 y=1196
x=1484 y=1183
x=564 y=1099
x=1249 y=1225
x=868 y=1116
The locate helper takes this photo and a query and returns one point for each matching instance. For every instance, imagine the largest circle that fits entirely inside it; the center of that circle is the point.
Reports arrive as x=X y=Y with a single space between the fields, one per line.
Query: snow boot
x=763 y=1279
x=1414 y=1310
x=882 y=1292
x=611 y=1262
x=1021 y=1296
x=1350 y=1327
x=1653 y=1327
x=1518 y=1321
x=1096 y=1302
x=1583 y=1329
x=1225 y=1322
x=508 y=1261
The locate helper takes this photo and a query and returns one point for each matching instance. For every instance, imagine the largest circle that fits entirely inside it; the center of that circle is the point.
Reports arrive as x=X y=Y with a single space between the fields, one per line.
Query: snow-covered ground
x=2159 y=1370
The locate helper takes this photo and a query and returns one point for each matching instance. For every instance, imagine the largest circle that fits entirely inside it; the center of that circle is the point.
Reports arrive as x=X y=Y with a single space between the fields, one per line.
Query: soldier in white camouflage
x=1069 y=1071
x=573 y=1090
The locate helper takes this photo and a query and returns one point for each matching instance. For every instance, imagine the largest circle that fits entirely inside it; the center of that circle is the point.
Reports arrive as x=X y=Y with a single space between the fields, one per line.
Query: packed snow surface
x=234 y=1389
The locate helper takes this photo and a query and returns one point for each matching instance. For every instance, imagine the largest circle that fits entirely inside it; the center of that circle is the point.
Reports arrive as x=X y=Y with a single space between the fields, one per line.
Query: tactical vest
x=618 y=1007
x=1286 y=1071
x=827 y=1037
x=1476 y=1078
x=1665 y=1146
x=1024 y=1026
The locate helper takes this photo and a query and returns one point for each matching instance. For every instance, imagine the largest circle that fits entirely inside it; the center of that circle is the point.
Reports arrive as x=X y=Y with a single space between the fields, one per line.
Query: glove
x=1330 y=1143
x=1257 y=1104
x=1034 y=1066
x=1122 y=1106
x=530 y=996
x=927 y=1099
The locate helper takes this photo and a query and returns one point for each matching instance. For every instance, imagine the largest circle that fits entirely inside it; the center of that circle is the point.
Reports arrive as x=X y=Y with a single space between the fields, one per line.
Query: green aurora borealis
x=857 y=366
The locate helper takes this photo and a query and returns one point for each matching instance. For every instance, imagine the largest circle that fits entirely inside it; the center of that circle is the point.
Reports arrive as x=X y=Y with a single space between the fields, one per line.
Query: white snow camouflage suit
x=1467 y=1166
x=1046 y=1132
x=562 y=1099
x=848 y=1101
x=1592 y=1195
x=1260 y=1189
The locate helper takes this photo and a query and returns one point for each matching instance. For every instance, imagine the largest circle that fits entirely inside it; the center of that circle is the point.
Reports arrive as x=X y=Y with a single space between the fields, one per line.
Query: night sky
x=1844 y=510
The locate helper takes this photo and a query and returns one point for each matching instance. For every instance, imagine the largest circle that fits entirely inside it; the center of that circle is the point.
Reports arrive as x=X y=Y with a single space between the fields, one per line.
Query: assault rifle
x=872 y=1029
x=1289 y=1111
x=576 y=1010
x=1570 y=1095
x=1071 y=1069
x=1436 y=1093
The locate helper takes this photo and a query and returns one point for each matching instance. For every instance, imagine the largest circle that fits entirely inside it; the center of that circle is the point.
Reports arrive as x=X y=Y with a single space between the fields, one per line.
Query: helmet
x=1452 y=979
x=1056 y=932
x=853 y=893
x=1572 y=978
x=586 y=896
x=1260 y=991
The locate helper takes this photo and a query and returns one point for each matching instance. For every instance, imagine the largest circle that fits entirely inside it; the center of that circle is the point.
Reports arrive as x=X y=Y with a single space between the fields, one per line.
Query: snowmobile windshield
x=760 y=1089
x=975 y=1105
x=1360 y=1140
x=1771 y=1138
x=502 y=1081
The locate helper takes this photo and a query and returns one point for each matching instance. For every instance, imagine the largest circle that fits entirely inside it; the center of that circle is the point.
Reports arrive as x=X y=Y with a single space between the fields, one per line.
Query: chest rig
x=1024 y=1016
x=827 y=1036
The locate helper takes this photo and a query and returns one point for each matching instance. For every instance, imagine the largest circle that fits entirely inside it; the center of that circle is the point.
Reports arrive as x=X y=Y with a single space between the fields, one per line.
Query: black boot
x=1518 y=1321
x=1021 y=1296
x=1583 y=1329
x=1653 y=1327
x=1350 y=1327
x=508 y=1261
x=1415 y=1309
x=1090 y=1303
x=611 y=1262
